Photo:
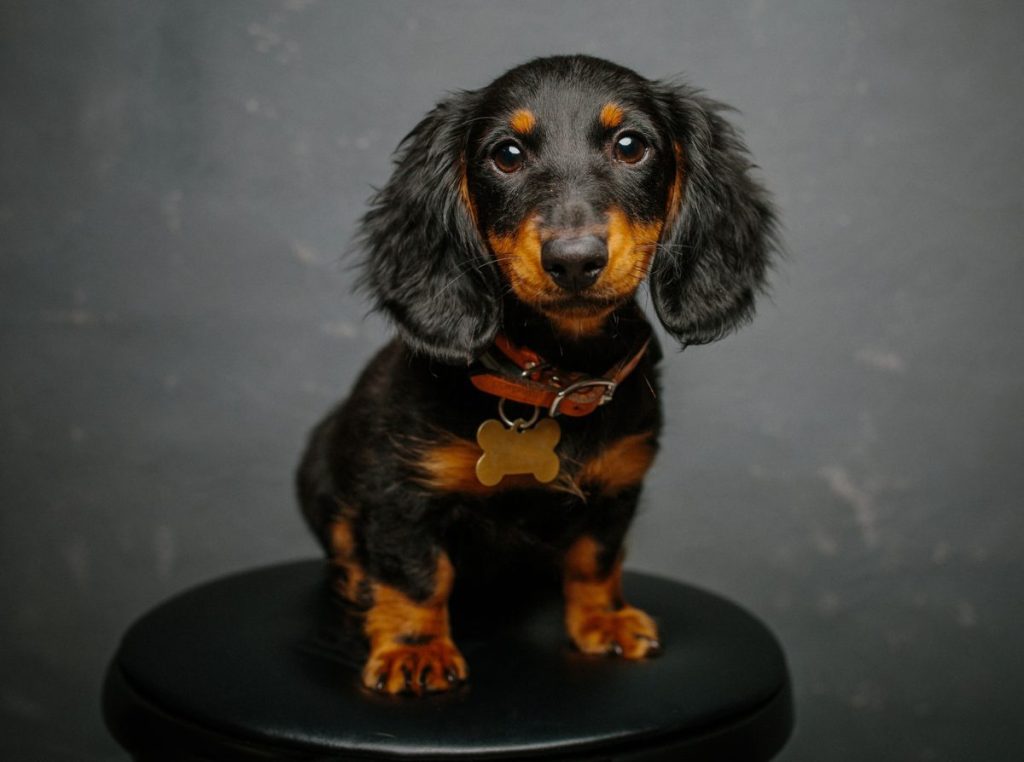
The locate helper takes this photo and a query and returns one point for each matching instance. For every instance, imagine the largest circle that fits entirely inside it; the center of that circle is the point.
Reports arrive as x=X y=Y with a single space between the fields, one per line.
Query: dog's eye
x=629 y=148
x=508 y=156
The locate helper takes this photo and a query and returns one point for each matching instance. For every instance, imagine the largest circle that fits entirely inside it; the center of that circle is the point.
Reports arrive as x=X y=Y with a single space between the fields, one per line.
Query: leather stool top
x=260 y=665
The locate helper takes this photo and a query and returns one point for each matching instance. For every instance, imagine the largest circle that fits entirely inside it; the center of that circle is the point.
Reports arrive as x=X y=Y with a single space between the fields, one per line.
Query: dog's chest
x=580 y=463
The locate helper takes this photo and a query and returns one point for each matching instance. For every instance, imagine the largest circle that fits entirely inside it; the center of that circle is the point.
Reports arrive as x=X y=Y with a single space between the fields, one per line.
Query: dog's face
x=571 y=182
x=566 y=182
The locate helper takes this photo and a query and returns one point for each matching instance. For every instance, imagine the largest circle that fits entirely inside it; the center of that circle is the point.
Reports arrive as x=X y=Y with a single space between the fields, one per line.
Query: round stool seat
x=258 y=666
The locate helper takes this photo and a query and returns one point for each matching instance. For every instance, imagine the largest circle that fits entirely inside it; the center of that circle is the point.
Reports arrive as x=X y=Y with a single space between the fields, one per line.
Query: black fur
x=426 y=265
x=712 y=261
x=429 y=266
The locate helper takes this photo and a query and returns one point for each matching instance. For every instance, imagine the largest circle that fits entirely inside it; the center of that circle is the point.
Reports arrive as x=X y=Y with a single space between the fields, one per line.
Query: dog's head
x=566 y=182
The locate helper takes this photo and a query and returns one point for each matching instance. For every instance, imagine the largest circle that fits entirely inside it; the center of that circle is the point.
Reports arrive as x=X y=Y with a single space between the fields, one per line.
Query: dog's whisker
x=463 y=272
x=471 y=268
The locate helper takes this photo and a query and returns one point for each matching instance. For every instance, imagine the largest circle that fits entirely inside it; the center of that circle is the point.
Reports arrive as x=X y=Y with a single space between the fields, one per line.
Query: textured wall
x=179 y=181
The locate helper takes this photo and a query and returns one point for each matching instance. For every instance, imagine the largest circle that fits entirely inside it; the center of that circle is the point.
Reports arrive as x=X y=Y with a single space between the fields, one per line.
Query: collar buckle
x=585 y=383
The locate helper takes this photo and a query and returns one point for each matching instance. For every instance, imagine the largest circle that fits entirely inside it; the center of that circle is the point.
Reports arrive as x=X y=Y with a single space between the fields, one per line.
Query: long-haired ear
x=721 y=229
x=425 y=263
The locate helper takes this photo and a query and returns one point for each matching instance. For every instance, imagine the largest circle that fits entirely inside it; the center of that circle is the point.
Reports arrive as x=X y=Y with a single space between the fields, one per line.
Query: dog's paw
x=415 y=668
x=628 y=632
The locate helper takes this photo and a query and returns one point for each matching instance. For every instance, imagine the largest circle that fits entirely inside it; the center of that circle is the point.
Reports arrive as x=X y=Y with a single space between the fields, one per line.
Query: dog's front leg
x=411 y=650
x=405 y=599
x=597 y=617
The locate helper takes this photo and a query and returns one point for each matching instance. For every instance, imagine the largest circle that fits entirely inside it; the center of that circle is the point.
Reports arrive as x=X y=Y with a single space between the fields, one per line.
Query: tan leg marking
x=351 y=579
x=597 y=618
x=411 y=650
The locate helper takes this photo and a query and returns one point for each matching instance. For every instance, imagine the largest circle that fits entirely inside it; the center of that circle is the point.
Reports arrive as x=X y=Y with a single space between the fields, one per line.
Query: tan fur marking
x=620 y=465
x=394 y=614
x=467 y=199
x=523 y=121
x=342 y=541
x=395 y=624
x=611 y=115
x=451 y=467
x=675 y=193
x=581 y=559
x=578 y=326
x=518 y=256
x=586 y=591
x=631 y=246
x=596 y=616
x=342 y=555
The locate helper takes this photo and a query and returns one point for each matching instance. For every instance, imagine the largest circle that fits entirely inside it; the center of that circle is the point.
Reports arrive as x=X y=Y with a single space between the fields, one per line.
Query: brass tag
x=509 y=451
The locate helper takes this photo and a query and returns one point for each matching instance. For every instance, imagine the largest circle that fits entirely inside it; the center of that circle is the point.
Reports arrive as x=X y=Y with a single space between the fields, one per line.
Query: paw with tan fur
x=627 y=632
x=415 y=667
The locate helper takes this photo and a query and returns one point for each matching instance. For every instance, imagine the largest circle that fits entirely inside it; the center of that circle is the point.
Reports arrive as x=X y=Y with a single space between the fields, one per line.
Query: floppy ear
x=721 y=230
x=425 y=264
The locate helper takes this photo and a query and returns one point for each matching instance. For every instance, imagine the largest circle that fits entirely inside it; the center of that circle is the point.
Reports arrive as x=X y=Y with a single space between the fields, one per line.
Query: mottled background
x=179 y=182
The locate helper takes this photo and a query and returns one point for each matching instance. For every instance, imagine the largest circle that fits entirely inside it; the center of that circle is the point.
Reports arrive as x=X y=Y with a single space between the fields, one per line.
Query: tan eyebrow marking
x=611 y=115
x=523 y=121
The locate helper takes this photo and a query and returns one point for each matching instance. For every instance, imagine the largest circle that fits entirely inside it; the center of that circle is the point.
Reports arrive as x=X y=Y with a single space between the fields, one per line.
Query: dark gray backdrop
x=179 y=180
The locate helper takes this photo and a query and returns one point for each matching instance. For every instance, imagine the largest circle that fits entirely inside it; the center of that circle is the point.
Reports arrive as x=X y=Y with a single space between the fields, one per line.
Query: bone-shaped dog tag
x=516 y=450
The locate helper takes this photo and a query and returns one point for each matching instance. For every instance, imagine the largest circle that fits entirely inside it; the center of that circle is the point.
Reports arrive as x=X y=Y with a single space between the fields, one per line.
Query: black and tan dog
x=510 y=424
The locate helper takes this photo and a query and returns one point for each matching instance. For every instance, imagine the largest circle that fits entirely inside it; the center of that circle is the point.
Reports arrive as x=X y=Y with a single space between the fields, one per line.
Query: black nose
x=574 y=263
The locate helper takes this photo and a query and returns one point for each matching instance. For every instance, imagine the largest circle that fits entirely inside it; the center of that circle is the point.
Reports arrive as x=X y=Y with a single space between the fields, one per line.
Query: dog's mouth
x=578 y=314
x=578 y=305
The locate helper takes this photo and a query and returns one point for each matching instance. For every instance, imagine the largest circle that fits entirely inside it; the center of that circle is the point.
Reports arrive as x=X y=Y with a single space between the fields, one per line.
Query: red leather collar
x=533 y=381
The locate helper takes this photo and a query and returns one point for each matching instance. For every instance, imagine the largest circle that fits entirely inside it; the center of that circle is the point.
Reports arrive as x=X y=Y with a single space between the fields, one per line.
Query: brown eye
x=508 y=156
x=629 y=148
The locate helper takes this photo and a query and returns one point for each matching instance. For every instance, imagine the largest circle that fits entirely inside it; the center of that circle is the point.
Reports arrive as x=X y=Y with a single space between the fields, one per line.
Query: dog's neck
x=592 y=352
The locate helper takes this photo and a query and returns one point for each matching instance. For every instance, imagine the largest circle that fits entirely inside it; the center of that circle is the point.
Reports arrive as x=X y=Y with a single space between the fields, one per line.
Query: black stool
x=245 y=668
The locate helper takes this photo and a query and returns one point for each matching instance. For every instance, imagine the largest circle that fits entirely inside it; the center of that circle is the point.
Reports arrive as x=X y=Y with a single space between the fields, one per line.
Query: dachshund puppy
x=508 y=427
